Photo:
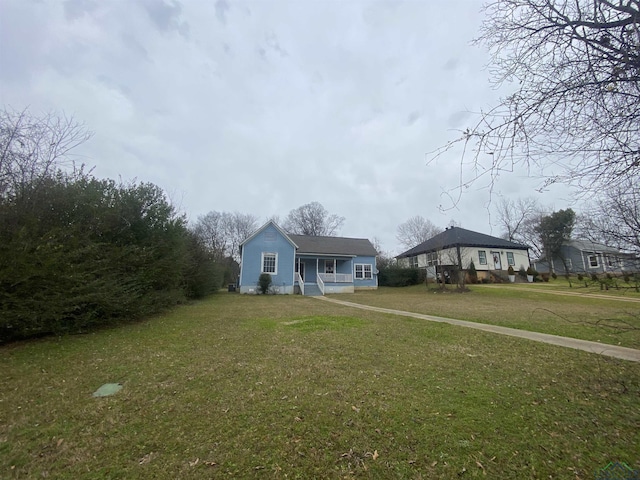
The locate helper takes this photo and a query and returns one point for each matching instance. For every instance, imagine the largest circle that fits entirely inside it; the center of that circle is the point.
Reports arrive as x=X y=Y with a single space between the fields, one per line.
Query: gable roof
x=460 y=237
x=333 y=245
x=262 y=228
x=589 y=246
x=307 y=244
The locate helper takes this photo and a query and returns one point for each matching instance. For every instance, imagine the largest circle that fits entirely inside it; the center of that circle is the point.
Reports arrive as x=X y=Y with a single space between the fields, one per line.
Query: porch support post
x=335 y=273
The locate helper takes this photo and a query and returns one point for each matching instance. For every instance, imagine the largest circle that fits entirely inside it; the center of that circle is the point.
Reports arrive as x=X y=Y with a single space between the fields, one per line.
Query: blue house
x=307 y=265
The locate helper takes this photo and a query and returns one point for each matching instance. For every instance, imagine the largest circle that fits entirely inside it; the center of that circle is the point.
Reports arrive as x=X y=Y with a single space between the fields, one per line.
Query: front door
x=497 y=264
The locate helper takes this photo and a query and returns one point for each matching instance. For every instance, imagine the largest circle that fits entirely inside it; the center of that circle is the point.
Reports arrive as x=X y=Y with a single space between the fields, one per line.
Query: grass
x=291 y=387
x=547 y=308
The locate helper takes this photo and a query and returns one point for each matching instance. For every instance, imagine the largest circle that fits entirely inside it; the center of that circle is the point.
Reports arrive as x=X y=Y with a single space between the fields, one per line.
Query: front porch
x=322 y=275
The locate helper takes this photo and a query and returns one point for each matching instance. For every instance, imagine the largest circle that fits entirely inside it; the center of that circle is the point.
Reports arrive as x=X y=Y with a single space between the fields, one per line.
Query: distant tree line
x=77 y=252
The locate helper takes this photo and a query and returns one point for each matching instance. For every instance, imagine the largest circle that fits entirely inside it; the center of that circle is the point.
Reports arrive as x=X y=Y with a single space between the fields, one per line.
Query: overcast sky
x=263 y=106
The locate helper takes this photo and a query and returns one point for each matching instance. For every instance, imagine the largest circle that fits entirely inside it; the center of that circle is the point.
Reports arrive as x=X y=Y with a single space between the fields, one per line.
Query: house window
x=432 y=259
x=482 y=256
x=510 y=260
x=269 y=263
x=593 y=261
x=413 y=262
x=612 y=262
x=363 y=271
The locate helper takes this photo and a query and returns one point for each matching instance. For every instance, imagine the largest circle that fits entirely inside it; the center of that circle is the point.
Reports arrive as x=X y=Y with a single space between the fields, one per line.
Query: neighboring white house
x=456 y=247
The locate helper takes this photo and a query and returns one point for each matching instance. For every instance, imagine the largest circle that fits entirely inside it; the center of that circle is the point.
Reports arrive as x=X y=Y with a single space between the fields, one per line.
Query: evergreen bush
x=264 y=283
x=397 y=276
x=473 y=273
x=77 y=252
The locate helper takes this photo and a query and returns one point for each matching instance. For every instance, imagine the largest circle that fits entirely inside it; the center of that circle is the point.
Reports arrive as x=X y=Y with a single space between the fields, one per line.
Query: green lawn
x=611 y=317
x=291 y=387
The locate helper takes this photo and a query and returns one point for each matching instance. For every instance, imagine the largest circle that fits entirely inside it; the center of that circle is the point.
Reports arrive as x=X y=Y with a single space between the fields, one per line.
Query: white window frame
x=432 y=259
x=511 y=259
x=482 y=253
x=413 y=262
x=595 y=257
x=365 y=273
x=275 y=265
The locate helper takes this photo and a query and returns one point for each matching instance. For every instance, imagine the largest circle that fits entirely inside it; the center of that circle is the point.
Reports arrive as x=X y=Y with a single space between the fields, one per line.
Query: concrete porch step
x=312 y=290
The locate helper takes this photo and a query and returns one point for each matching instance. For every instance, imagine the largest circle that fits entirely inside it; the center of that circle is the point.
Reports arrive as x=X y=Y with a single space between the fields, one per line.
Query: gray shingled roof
x=333 y=245
x=456 y=236
x=589 y=246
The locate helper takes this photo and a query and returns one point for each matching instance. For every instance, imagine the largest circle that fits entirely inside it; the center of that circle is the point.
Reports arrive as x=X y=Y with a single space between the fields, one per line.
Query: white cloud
x=261 y=107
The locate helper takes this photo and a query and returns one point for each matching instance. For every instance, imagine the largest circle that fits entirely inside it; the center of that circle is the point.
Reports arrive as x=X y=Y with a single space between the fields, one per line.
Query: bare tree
x=574 y=116
x=383 y=259
x=513 y=216
x=33 y=147
x=274 y=218
x=519 y=220
x=614 y=219
x=210 y=229
x=238 y=227
x=223 y=232
x=313 y=219
x=415 y=231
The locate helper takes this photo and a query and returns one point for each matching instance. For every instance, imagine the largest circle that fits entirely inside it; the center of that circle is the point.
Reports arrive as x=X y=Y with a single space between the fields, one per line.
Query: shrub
x=77 y=253
x=554 y=275
x=580 y=277
x=264 y=283
x=594 y=277
x=511 y=271
x=473 y=273
x=522 y=272
x=396 y=276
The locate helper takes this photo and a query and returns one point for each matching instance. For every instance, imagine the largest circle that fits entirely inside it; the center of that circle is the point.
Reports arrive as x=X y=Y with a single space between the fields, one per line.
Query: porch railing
x=300 y=282
x=321 y=284
x=336 y=277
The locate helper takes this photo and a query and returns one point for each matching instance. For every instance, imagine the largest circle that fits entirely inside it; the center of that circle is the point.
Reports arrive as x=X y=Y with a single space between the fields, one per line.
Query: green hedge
x=77 y=252
x=394 y=276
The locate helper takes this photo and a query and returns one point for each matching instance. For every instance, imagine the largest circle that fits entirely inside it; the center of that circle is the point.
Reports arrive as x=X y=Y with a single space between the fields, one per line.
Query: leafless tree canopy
x=574 y=116
x=519 y=219
x=415 y=231
x=223 y=232
x=32 y=147
x=614 y=219
x=313 y=219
